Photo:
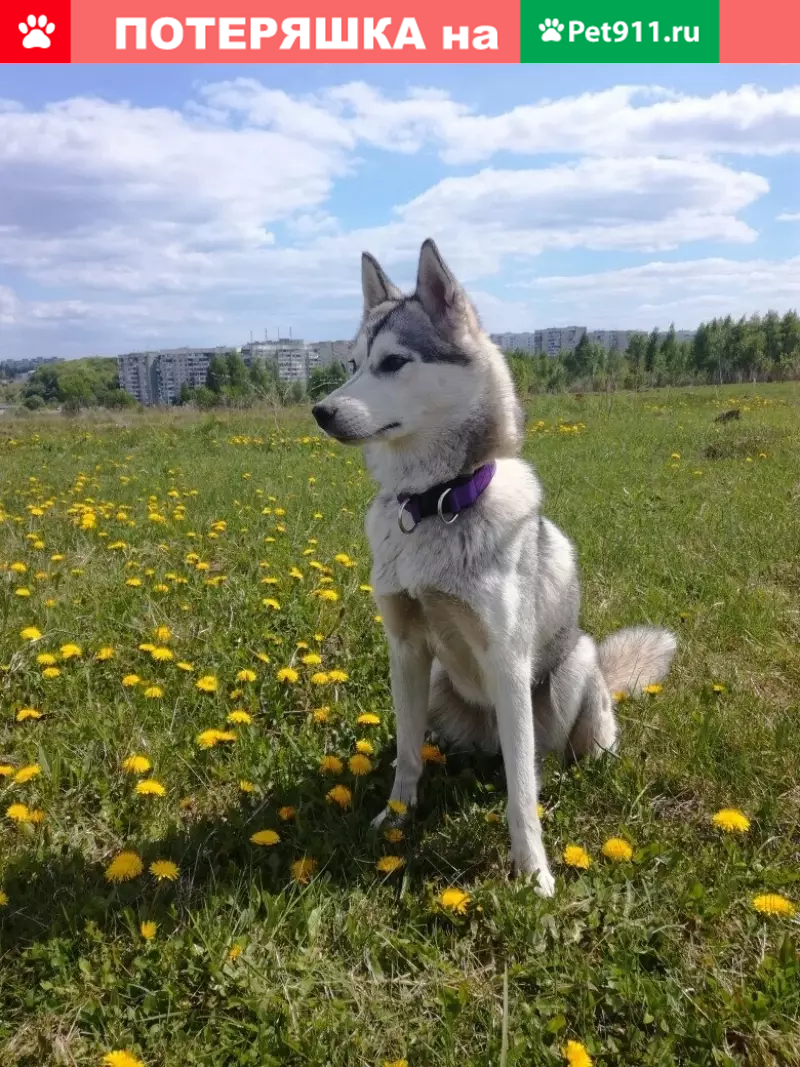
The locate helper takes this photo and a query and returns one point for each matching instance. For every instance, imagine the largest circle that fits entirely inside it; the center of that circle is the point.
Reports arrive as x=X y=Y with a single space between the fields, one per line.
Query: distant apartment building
x=329 y=352
x=157 y=377
x=552 y=341
x=294 y=359
x=559 y=339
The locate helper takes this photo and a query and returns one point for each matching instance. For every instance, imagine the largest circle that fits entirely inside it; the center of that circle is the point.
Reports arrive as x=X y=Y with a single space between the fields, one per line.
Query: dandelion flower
x=124 y=867
x=148 y=930
x=390 y=864
x=154 y=692
x=24 y=774
x=619 y=696
x=164 y=870
x=359 y=764
x=320 y=678
x=46 y=659
x=368 y=719
x=70 y=651
x=130 y=680
x=653 y=689
x=340 y=795
x=366 y=748
x=240 y=717
x=121 y=1059
x=3 y=898
x=617 y=849
x=717 y=687
x=331 y=765
x=575 y=856
x=398 y=807
x=265 y=837
x=303 y=870
x=320 y=714
x=182 y=665
x=28 y=713
x=312 y=659
x=150 y=787
x=455 y=900
x=433 y=754
x=328 y=594
x=104 y=654
x=246 y=787
x=51 y=672
x=6 y=770
x=731 y=820
x=774 y=904
x=211 y=738
x=30 y=633
x=576 y=1055
x=338 y=676
x=207 y=684
x=17 y=812
x=136 y=764
x=288 y=674
x=286 y=813
x=393 y=835
x=271 y=602
x=235 y=952
x=162 y=654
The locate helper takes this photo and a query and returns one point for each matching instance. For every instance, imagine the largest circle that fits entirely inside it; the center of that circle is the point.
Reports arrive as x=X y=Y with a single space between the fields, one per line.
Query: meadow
x=196 y=730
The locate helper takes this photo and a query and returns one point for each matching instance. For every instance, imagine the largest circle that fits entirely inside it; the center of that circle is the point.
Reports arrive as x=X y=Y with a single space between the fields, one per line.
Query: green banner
x=619 y=31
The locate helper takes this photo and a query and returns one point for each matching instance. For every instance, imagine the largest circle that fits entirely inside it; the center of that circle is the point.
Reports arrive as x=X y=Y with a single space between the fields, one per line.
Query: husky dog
x=479 y=592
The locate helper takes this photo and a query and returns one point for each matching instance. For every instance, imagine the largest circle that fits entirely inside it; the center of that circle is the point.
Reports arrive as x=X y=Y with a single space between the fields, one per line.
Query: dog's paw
x=379 y=819
x=547 y=884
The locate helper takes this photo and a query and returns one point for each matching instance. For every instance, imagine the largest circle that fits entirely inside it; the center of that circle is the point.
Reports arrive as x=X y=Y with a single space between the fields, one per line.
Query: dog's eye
x=392 y=364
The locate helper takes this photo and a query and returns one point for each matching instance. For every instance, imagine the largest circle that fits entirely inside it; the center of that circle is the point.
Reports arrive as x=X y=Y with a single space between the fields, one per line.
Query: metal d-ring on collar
x=453 y=517
x=400 y=514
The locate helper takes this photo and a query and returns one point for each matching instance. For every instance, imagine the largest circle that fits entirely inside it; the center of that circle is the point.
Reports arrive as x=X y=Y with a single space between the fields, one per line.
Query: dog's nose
x=323 y=415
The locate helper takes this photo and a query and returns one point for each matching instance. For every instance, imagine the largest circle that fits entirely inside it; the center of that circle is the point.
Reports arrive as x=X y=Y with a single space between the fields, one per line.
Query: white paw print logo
x=36 y=36
x=551 y=29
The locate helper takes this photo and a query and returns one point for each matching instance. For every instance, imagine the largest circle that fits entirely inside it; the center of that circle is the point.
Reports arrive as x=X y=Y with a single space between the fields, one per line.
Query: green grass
x=660 y=961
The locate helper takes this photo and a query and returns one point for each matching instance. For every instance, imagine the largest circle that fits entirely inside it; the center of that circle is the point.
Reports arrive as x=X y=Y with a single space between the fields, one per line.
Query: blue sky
x=151 y=206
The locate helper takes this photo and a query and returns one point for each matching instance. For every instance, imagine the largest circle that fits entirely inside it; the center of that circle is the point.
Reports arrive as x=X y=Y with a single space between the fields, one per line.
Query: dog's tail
x=635 y=657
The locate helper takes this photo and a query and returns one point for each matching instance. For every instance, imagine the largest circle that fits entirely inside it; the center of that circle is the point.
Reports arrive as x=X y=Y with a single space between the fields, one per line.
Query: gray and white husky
x=479 y=593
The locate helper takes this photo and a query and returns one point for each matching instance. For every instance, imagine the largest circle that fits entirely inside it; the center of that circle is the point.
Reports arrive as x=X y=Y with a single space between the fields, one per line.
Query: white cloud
x=789 y=216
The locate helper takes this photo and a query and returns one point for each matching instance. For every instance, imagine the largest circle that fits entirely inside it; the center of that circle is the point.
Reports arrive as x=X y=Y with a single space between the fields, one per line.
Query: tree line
x=231 y=383
x=724 y=350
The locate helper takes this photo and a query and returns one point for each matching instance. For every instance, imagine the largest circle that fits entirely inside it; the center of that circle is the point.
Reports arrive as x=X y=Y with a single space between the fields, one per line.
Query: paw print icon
x=551 y=29
x=36 y=33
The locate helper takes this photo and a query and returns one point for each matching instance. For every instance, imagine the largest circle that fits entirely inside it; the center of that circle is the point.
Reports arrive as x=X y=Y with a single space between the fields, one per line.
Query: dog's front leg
x=509 y=679
x=410 y=662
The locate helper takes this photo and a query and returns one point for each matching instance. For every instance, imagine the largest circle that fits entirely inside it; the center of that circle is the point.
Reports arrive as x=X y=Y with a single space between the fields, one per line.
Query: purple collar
x=449 y=498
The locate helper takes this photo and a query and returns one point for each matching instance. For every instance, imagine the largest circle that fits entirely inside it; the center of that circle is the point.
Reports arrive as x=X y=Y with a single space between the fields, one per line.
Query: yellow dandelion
x=211 y=738
x=320 y=714
x=70 y=651
x=265 y=837
x=154 y=692
x=288 y=674
x=366 y=748
x=455 y=900
x=6 y=770
x=136 y=764
x=235 y=952
x=162 y=654
x=433 y=754
x=24 y=774
x=398 y=807
x=22 y=591
x=653 y=689
x=150 y=787
x=30 y=633
x=774 y=904
x=338 y=676
x=246 y=676
x=393 y=835
x=46 y=659
x=359 y=764
x=312 y=659
x=576 y=1055
x=124 y=867
x=368 y=719
x=327 y=594
x=240 y=717
x=164 y=870
x=303 y=870
x=617 y=849
x=271 y=602
x=718 y=687
x=207 y=684
x=575 y=856
x=51 y=672
x=320 y=678
x=131 y=680
x=28 y=713
x=390 y=864
x=365 y=588
x=17 y=812
x=619 y=696
x=340 y=795
x=3 y=898
x=148 y=930
x=331 y=765
x=287 y=813
x=104 y=654
x=120 y=1058
x=246 y=787
x=182 y=665
x=731 y=820
x=162 y=633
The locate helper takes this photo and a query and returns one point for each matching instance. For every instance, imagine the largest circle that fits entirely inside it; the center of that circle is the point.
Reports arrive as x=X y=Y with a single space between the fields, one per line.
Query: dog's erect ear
x=376 y=286
x=438 y=291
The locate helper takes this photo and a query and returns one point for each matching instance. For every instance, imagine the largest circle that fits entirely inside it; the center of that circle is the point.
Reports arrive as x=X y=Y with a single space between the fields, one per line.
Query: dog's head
x=422 y=366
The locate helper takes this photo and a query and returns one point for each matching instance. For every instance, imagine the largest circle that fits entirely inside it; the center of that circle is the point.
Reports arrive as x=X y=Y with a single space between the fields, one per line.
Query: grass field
x=175 y=549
